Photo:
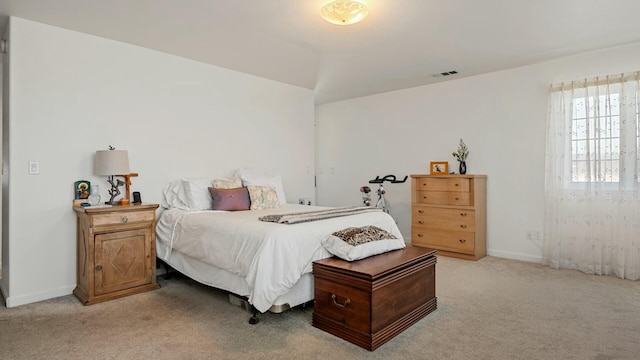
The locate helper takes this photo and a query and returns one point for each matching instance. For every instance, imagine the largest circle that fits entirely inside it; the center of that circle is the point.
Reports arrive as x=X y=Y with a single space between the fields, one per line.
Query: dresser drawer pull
x=333 y=299
x=124 y=219
x=462 y=241
x=420 y=235
x=457 y=184
x=457 y=199
x=421 y=211
x=463 y=226
x=463 y=214
x=420 y=222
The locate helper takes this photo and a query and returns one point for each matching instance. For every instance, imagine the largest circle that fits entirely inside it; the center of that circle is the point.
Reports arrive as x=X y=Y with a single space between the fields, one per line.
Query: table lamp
x=111 y=163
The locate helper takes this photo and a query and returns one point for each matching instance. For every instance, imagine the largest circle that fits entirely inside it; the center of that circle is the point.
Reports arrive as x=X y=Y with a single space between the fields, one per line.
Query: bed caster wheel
x=254 y=317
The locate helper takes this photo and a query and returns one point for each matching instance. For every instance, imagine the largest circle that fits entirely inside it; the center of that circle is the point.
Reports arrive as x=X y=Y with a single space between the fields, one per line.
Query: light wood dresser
x=116 y=251
x=448 y=213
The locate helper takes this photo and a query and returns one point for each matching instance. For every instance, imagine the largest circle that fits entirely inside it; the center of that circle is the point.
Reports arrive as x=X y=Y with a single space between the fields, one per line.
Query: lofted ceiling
x=401 y=44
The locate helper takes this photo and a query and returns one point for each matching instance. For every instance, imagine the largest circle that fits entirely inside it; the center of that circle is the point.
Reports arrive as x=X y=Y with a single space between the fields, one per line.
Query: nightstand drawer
x=443 y=198
x=443 y=239
x=443 y=184
x=123 y=217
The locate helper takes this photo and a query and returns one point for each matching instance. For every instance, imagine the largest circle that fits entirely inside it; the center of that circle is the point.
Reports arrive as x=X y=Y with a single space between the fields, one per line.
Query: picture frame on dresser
x=439 y=168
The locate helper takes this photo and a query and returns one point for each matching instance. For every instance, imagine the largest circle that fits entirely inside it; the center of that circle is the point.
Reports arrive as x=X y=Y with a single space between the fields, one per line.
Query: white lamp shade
x=112 y=162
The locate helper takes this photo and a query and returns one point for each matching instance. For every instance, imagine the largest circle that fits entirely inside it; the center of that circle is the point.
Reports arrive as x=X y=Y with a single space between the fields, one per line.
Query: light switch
x=34 y=168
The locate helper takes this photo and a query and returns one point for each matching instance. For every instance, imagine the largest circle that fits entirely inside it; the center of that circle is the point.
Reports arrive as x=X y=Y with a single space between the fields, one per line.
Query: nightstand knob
x=420 y=222
x=421 y=211
x=457 y=184
x=463 y=214
x=420 y=235
x=124 y=219
x=463 y=226
x=462 y=241
x=98 y=267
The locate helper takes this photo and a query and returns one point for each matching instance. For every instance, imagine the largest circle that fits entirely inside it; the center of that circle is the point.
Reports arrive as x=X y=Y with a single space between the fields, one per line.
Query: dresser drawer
x=443 y=184
x=443 y=239
x=123 y=217
x=447 y=219
x=443 y=198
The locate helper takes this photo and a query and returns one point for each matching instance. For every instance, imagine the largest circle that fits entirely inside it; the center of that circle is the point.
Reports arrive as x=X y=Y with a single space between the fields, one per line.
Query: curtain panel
x=592 y=202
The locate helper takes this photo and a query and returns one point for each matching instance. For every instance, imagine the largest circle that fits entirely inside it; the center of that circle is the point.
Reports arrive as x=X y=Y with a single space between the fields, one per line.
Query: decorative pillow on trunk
x=357 y=243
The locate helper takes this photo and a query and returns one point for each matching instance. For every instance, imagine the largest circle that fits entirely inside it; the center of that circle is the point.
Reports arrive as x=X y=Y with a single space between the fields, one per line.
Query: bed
x=268 y=263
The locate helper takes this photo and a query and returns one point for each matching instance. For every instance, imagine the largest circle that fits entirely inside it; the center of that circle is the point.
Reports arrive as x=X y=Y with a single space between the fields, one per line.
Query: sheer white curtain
x=592 y=196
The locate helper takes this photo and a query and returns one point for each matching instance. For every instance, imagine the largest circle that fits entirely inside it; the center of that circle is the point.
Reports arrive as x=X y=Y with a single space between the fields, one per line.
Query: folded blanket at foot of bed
x=301 y=217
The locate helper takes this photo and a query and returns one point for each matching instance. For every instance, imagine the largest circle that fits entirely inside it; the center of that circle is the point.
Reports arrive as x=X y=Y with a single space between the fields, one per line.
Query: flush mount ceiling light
x=344 y=12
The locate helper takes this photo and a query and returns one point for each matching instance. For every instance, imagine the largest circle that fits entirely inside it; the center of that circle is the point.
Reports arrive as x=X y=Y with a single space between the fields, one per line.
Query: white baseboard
x=13 y=301
x=515 y=256
x=506 y=254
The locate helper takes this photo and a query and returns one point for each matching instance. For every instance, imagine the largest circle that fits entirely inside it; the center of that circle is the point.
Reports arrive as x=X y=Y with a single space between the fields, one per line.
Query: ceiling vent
x=446 y=73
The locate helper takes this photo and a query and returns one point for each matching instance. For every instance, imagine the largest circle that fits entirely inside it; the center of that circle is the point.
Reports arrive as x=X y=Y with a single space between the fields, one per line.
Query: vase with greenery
x=461 y=155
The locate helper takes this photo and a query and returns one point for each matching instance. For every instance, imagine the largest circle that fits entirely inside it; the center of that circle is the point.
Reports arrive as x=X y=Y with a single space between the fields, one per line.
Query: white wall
x=72 y=94
x=501 y=116
x=4 y=64
x=4 y=282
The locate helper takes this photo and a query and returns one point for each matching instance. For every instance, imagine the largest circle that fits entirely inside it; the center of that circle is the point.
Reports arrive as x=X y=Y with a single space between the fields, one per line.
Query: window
x=604 y=132
x=592 y=193
x=595 y=140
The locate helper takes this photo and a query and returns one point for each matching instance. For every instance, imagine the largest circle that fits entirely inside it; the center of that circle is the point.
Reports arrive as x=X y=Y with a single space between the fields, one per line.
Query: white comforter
x=270 y=257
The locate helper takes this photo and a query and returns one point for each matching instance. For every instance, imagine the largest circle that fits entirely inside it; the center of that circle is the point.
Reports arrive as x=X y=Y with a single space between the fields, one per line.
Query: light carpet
x=490 y=309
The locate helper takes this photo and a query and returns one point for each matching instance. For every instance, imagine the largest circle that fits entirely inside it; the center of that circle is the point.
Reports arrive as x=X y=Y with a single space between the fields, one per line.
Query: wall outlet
x=34 y=168
x=533 y=235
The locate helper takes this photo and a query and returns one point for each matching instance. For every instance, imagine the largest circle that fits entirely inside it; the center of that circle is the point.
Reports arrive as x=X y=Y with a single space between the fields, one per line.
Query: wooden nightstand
x=116 y=251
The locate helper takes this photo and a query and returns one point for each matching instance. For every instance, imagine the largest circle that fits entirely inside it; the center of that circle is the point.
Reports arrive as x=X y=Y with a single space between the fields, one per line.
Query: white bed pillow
x=265 y=180
x=344 y=250
x=196 y=193
x=173 y=196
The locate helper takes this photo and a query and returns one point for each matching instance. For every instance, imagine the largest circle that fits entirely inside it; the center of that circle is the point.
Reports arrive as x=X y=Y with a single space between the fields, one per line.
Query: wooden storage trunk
x=368 y=302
